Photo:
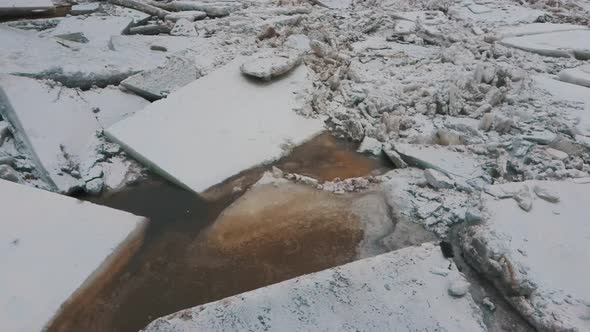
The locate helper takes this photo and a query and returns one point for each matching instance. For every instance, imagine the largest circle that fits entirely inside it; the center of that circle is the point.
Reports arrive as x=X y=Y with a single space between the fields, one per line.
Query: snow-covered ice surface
x=539 y=259
x=58 y=125
x=53 y=249
x=405 y=290
x=218 y=126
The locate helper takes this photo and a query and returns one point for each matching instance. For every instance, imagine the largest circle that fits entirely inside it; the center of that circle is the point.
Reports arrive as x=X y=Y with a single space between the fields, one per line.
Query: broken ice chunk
x=444 y=160
x=9 y=174
x=267 y=67
x=370 y=145
x=546 y=194
x=85 y=8
x=191 y=16
x=178 y=71
x=184 y=27
x=556 y=154
x=438 y=180
x=458 y=287
x=524 y=198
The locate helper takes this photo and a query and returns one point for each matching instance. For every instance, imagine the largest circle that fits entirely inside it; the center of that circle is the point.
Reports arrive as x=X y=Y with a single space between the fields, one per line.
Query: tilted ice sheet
x=218 y=126
x=548 y=247
x=53 y=246
x=392 y=292
x=56 y=124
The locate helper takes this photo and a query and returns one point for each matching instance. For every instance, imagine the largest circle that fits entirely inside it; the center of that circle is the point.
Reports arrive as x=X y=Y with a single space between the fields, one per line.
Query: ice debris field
x=431 y=159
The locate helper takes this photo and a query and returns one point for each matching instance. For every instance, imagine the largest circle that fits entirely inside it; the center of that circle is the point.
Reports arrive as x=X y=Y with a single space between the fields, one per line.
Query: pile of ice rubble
x=482 y=107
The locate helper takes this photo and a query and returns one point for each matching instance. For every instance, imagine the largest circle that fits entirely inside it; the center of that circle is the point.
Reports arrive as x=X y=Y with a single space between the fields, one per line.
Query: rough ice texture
x=24 y=53
x=58 y=124
x=54 y=248
x=218 y=126
x=539 y=259
x=97 y=29
x=574 y=43
x=157 y=83
x=380 y=43
x=391 y=292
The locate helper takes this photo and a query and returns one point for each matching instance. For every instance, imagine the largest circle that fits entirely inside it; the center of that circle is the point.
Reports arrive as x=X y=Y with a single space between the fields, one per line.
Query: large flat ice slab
x=54 y=249
x=57 y=124
x=574 y=43
x=218 y=126
x=391 y=292
x=540 y=259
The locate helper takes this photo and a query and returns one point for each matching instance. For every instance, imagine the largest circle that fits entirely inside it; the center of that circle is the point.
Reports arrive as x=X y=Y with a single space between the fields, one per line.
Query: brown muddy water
x=187 y=260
